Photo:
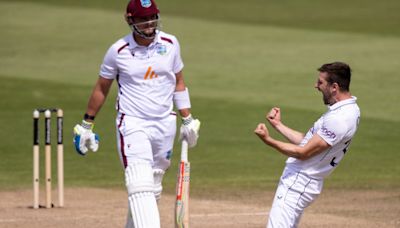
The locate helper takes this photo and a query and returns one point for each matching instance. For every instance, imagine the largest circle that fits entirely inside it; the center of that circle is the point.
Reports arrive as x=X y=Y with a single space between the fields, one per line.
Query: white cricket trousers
x=295 y=192
x=148 y=140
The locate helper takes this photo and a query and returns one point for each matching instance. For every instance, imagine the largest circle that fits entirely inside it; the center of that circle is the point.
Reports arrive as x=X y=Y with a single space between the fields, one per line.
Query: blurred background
x=241 y=58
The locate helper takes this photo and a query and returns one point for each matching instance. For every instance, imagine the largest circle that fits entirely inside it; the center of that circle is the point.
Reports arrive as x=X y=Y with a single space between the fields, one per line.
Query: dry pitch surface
x=107 y=208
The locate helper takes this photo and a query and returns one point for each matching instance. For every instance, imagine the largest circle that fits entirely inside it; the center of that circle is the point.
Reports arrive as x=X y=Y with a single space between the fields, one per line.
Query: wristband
x=88 y=117
x=181 y=99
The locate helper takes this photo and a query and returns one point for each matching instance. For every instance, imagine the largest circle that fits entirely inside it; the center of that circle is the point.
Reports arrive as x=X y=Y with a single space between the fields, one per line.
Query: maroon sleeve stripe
x=124 y=46
x=166 y=39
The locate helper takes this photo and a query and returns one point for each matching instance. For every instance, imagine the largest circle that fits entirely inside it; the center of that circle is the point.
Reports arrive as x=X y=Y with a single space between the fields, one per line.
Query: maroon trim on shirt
x=120 y=92
x=167 y=39
x=122 y=143
x=118 y=108
x=124 y=46
x=119 y=84
x=121 y=119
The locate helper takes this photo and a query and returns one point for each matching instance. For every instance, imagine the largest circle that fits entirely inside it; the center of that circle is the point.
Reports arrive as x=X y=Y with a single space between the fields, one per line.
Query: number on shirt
x=347 y=144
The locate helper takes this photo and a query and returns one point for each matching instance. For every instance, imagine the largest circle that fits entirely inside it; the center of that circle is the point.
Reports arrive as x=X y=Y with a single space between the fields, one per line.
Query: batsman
x=147 y=67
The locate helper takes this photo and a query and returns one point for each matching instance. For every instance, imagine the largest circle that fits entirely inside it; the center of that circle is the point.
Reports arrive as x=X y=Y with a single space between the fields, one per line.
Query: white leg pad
x=129 y=220
x=144 y=210
x=142 y=202
x=158 y=177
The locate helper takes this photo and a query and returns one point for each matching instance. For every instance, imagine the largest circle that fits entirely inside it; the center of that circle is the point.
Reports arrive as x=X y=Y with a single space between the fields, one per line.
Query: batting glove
x=84 y=138
x=190 y=130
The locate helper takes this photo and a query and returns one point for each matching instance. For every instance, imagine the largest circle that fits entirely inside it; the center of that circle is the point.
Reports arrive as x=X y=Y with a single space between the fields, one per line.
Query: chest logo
x=150 y=74
x=161 y=50
x=145 y=3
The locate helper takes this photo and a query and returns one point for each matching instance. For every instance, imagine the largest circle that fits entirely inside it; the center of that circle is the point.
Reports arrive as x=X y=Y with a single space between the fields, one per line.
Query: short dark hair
x=338 y=72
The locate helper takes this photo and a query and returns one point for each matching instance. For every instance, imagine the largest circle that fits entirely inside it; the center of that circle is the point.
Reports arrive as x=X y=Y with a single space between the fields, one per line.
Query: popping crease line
x=229 y=214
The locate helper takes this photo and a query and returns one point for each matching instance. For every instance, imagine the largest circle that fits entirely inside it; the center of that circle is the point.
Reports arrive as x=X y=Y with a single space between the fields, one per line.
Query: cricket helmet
x=143 y=9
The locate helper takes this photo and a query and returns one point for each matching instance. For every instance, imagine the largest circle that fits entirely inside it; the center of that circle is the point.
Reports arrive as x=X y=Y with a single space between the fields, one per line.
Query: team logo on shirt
x=145 y=3
x=161 y=49
x=150 y=74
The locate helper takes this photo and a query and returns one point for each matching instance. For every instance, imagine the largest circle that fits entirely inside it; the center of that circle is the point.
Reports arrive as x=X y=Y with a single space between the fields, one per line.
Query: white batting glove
x=84 y=138
x=190 y=130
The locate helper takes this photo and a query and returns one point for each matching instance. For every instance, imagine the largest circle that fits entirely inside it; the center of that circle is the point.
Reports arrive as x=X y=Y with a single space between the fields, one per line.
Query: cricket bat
x=182 y=189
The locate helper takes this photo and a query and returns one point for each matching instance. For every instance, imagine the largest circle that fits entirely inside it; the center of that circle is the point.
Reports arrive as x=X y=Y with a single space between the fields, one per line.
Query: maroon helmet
x=143 y=9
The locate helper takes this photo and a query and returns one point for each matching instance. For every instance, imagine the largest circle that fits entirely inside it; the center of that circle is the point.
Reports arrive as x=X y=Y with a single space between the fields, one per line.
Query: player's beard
x=327 y=98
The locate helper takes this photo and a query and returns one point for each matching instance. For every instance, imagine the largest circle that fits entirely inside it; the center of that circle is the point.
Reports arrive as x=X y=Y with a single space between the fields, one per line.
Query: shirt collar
x=351 y=100
x=133 y=44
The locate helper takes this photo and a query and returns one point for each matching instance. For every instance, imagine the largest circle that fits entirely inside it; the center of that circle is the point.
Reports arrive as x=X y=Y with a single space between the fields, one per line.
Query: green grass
x=50 y=56
x=356 y=16
x=228 y=155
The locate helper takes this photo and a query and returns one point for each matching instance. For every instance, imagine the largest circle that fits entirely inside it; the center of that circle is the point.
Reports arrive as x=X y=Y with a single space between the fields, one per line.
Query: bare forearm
x=95 y=103
x=313 y=147
x=98 y=96
x=180 y=83
x=287 y=149
x=291 y=135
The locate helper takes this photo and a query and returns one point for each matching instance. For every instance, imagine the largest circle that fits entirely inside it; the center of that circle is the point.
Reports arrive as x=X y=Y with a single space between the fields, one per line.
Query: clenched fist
x=274 y=116
x=262 y=131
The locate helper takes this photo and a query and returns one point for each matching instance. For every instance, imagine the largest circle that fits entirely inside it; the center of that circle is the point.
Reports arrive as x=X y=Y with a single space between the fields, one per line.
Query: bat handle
x=184 y=151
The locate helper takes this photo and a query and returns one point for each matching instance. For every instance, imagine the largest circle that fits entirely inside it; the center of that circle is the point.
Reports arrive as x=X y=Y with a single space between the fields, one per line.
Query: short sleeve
x=178 y=63
x=333 y=130
x=108 y=68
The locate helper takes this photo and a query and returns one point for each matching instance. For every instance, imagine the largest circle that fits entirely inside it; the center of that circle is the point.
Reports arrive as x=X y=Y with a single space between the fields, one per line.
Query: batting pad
x=142 y=202
x=158 y=177
x=129 y=220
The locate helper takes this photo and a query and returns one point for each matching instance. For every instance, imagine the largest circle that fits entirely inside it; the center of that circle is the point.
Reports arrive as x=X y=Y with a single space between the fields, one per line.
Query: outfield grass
x=355 y=16
x=236 y=71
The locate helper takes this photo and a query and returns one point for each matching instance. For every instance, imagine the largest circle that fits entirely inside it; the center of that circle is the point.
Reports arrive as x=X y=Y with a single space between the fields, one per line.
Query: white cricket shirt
x=145 y=75
x=337 y=127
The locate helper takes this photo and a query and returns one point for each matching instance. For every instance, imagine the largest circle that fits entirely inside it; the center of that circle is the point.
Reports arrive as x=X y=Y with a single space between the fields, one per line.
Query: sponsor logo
x=180 y=181
x=328 y=133
x=150 y=74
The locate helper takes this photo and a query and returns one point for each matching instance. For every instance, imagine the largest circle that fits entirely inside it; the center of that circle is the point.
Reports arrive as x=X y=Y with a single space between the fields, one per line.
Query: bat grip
x=184 y=151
